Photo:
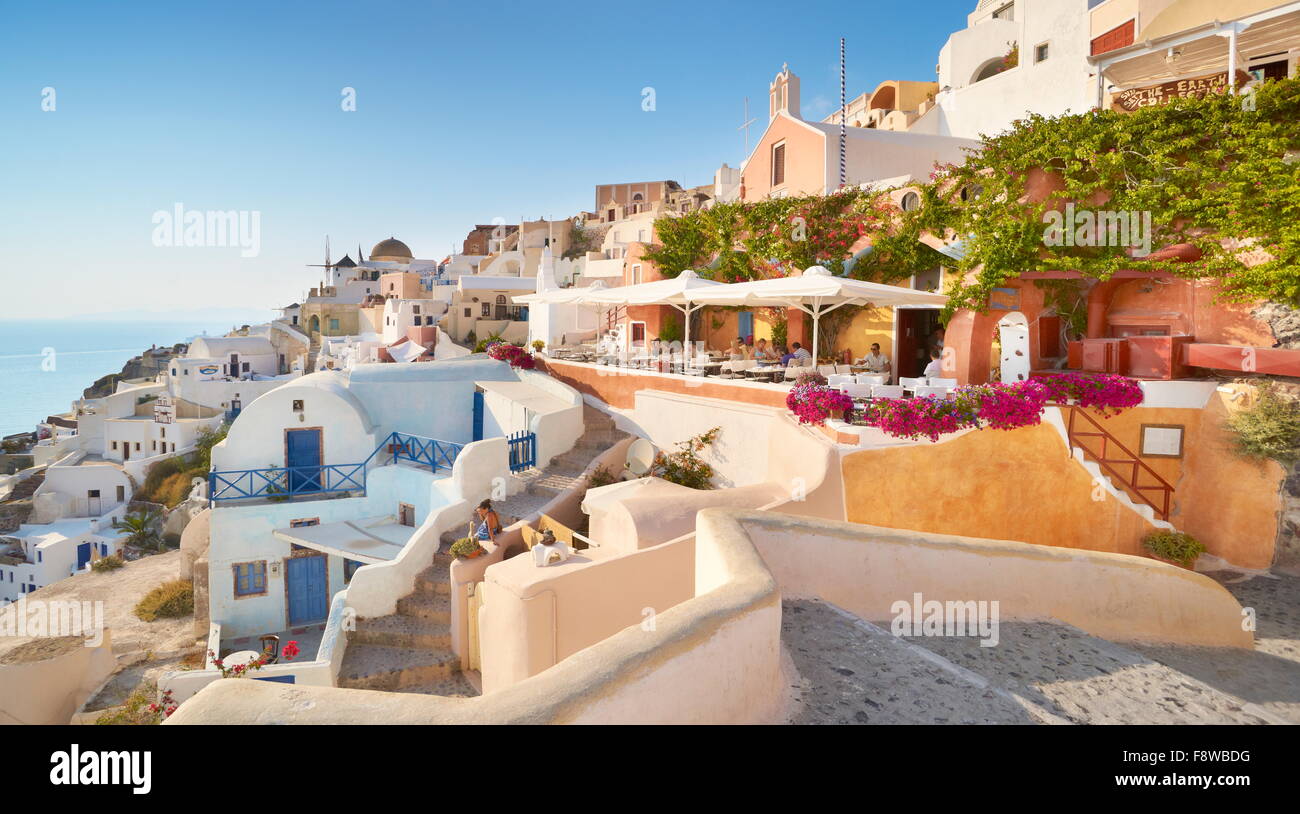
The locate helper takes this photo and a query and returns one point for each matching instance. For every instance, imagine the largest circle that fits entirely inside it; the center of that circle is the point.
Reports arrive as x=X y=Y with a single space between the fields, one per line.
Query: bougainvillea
x=514 y=354
x=999 y=406
x=814 y=403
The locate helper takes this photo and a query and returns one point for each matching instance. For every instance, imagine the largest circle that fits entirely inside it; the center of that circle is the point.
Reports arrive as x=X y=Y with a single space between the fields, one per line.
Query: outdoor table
x=241 y=657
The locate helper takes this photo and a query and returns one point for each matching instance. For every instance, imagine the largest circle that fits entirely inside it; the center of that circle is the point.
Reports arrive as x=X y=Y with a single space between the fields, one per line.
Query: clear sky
x=464 y=112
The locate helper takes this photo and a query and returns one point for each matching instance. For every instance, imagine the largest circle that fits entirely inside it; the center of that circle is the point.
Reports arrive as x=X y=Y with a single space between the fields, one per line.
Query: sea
x=46 y=364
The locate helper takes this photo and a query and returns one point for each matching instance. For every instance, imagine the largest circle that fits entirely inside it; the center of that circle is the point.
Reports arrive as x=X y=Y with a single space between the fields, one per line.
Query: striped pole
x=843 y=116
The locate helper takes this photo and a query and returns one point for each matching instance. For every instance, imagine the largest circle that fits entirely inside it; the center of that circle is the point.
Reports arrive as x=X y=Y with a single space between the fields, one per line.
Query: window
x=334 y=324
x=163 y=430
x=467 y=313
x=121 y=494
x=636 y=273
x=1117 y=37
x=1040 y=52
x=304 y=521
x=137 y=446
x=1162 y=440
x=114 y=445
x=297 y=406
x=349 y=568
x=911 y=201
x=415 y=309
x=244 y=367
x=487 y=309
x=1007 y=12
x=155 y=446
x=250 y=578
x=406 y=514
x=778 y=164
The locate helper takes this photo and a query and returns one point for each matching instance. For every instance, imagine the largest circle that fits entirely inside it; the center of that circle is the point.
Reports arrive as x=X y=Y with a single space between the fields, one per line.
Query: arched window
x=911 y=201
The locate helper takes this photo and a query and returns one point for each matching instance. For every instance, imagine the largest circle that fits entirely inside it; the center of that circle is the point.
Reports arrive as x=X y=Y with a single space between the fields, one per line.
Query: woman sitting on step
x=489 y=524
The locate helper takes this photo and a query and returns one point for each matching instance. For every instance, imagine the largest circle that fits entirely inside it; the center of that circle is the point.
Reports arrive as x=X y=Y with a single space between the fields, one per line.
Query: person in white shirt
x=875 y=361
x=935 y=368
x=798 y=354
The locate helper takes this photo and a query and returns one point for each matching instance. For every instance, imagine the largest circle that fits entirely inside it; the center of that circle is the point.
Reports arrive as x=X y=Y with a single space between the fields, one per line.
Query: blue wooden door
x=745 y=324
x=302 y=457
x=478 y=415
x=83 y=555
x=308 y=591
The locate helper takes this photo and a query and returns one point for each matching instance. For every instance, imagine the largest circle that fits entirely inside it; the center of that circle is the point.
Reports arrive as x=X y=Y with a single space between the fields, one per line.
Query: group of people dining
x=765 y=353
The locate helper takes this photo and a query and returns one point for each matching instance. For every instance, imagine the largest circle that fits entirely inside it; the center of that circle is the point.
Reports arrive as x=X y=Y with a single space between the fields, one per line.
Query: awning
x=369 y=544
x=526 y=395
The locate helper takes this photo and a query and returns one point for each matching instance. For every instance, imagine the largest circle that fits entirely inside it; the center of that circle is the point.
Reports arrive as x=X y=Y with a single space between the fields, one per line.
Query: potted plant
x=538 y=345
x=1174 y=547
x=466 y=548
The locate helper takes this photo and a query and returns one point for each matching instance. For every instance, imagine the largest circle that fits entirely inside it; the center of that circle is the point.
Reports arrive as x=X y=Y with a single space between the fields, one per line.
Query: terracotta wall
x=617 y=387
x=805 y=161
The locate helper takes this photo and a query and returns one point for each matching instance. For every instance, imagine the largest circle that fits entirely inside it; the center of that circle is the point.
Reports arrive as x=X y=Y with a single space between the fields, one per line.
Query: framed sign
x=1005 y=299
x=1162 y=440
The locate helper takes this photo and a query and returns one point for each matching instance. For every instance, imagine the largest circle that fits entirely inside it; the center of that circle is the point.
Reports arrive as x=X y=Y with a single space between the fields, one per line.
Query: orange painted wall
x=1188 y=308
x=1016 y=485
x=618 y=388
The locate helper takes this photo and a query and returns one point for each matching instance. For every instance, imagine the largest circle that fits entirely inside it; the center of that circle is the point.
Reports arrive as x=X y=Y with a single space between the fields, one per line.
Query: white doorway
x=1013 y=334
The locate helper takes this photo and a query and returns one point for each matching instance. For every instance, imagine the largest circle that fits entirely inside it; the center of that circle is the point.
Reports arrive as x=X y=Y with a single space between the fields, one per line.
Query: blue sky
x=465 y=112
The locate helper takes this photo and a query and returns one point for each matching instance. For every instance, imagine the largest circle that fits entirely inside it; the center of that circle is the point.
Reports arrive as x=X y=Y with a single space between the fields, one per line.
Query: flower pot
x=477 y=552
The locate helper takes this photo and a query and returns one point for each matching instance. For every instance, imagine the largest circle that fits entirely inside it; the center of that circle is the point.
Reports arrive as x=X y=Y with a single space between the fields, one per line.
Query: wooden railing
x=1126 y=469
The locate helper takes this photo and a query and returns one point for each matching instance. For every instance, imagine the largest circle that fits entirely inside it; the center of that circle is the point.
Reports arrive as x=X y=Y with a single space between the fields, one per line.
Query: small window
x=121 y=494
x=244 y=367
x=1040 y=52
x=487 y=309
x=911 y=201
x=250 y=578
x=114 y=445
x=349 y=568
x=334 y=324
x=297 y=406
x=467 y=313
x=137 y=446
x=163 y=430
x=778 y=164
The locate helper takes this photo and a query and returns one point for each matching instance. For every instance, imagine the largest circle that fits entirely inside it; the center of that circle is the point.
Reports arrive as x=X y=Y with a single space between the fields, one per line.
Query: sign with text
x=1197 y=86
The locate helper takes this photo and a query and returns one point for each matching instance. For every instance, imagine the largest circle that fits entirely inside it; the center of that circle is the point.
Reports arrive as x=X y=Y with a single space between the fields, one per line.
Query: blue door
x=745 y=324
x=83 y=555
x=308 y=589
x=302 y=457
x=478 y=415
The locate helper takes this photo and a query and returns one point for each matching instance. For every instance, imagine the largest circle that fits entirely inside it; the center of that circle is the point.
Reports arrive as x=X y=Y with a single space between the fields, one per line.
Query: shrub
x=109 y=563
x=140 y=709
x=600 y=476
x=465 y=547
x=482 y=345
x=514 y=354
x=1268 y=429
x=810 y=377
x=685 y=467
x=141 y=530
x=1176 y=546
x=171 y=600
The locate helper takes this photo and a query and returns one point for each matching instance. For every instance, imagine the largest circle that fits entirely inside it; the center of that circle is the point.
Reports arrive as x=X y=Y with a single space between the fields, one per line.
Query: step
x=455 y=686
x=435 y=607
x=555 y=483
x=1088 y=680
x=380 y=667
x=416 y=632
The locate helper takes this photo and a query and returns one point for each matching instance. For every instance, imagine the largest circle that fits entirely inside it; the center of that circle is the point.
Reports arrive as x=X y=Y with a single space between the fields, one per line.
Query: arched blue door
x=478 y=415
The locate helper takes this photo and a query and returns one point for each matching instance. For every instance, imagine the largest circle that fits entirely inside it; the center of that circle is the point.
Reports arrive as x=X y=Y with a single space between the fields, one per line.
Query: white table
x=239 y=657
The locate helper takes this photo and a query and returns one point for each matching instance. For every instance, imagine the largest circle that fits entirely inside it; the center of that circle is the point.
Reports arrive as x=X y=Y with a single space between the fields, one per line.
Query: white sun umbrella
x=574 y=295
x=816 y=292
x=677 y=292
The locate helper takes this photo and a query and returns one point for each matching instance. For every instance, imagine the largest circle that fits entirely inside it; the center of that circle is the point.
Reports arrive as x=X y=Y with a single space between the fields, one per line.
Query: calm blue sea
x=83 y=351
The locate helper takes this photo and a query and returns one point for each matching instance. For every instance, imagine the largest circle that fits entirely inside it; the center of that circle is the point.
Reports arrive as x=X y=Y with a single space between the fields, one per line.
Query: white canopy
x=815 y=292
x=561 y=296
x=677 y=292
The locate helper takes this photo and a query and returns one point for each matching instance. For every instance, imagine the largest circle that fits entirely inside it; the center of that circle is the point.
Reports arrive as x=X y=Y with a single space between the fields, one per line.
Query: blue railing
x=285 y=482
x=428 y=452
x=523 y=450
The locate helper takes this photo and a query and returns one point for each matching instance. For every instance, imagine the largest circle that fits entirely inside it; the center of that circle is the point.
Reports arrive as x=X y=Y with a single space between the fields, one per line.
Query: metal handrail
x=1132 y=460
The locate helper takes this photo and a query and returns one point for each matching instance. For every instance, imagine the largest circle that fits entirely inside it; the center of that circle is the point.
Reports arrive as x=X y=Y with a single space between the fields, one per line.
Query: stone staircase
x=1044 y=672
x=541 y=486
x=410 y=650
x=23 y=490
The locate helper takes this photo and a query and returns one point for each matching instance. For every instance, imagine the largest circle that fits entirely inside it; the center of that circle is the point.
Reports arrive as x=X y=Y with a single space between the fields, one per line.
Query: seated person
x=875 y=361
x=798 y=355
x=935 y=368
x=738 y=351
x=763 y=353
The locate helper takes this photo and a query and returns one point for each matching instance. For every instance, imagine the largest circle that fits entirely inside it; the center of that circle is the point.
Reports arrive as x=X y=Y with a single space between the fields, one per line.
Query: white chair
x=908 y=383
x=886 y=391
x=826 y=370
x=792 y=372
x=836 y=380
x=846 y=370
x=872 y=378
x=929 y=390
x=744 y=364
x=935 y=381
x=858 y=391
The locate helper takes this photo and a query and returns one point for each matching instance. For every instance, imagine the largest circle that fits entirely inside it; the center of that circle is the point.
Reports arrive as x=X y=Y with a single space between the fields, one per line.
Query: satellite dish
x=640 y=457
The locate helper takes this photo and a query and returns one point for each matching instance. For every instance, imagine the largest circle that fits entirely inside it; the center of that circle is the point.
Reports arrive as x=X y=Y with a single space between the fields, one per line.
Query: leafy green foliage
x=142 y=530
x=1268 y=429
x=1175 y=546
x=465 y=547
x=685 y=467
x=109 y=563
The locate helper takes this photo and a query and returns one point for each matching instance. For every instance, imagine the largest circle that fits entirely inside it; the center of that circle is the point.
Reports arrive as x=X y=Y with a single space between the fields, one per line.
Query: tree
x=142 y=530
